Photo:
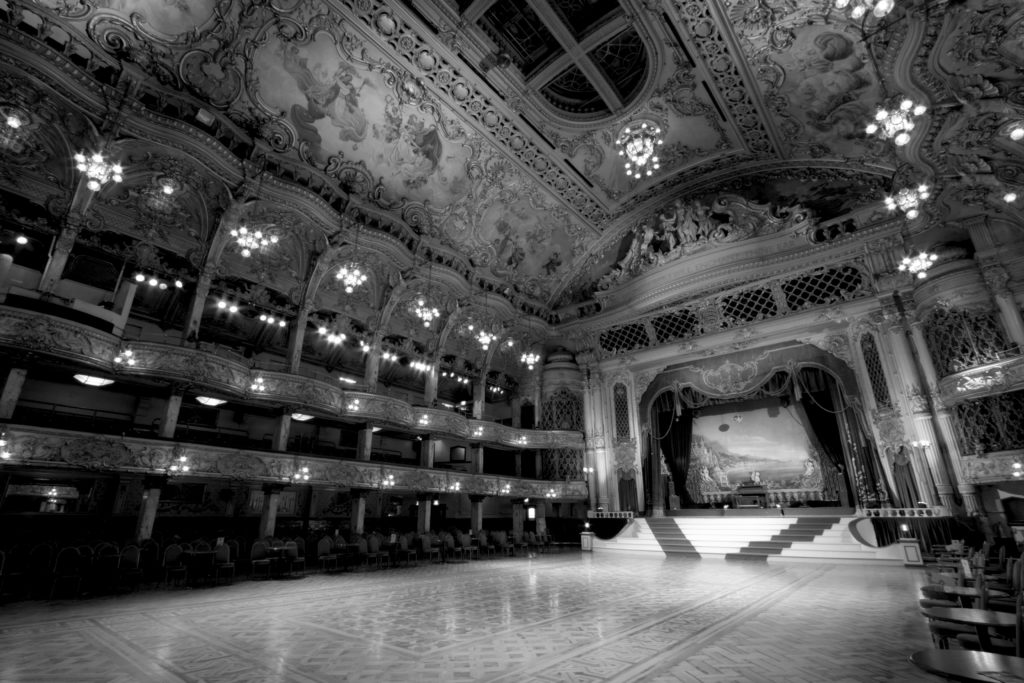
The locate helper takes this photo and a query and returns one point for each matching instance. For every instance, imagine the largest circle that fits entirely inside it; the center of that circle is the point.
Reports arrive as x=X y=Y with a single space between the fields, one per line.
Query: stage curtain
x=675 y=445
x=627 y=495
x=903 y=480
x=816 y=421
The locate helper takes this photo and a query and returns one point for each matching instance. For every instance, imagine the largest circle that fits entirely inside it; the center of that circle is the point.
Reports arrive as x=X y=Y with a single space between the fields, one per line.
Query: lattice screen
x=748 y=306
x=625 y=338
x=562 y=410
x=991 y=424
x=620 y=403
x=826 y=286
x=678 y=325
x=876 y=373
x=959 y=339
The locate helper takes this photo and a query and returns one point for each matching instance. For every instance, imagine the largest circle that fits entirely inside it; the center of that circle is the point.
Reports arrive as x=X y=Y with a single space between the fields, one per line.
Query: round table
x=962 y=591
x=965 y=665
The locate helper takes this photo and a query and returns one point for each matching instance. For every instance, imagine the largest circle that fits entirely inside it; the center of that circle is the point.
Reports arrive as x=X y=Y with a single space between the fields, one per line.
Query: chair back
x=258 y=551
x=425 y=544
x=324 y=546
x=202 y=546
x=129 y=557
x=67 y=562
x=172 y=554
x=300 y=543
x=373 y=544
x=291 y=549
x=222 y=553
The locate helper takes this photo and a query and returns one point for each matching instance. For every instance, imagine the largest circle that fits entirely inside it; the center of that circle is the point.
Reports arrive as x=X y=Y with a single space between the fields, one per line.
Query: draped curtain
x=627 y=494
x=673 y=432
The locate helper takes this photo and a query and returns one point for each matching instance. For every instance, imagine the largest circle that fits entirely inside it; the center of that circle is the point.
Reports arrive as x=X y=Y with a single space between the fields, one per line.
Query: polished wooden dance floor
x=558 y=617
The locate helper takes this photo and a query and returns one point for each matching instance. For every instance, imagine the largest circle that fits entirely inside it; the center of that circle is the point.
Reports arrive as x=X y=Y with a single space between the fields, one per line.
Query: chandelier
x=350 y=276
x=638 y=146
x=258 y=384
x=908 y=200
x=858 y=8
x=896 y=121
x=485 y=338
x=529 y=359
x=917 y=265
x=4 y=453
x=97 y=170
x=249 y=240
x=428 y=314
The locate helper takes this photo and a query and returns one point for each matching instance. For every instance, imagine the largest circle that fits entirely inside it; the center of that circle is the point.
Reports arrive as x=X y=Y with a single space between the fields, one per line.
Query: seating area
x=974 y=606
x=47 y=570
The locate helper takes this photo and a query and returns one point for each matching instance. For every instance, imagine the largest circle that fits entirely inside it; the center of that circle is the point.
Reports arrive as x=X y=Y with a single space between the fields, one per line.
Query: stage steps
x=759 y=539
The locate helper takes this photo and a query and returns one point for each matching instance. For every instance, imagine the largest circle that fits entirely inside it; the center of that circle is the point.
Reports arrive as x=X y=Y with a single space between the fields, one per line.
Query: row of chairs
x=48 y=571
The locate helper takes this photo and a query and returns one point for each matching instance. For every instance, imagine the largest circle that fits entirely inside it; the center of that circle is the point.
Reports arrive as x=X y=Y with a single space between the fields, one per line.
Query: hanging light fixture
x=895 y=121
x=529 y=359
x=858 y=8
x=351 y=277
x=908 y=200
x=637 y=145
x=98 y=171
x=251 y=240
x=918 y=265
x=485 y=338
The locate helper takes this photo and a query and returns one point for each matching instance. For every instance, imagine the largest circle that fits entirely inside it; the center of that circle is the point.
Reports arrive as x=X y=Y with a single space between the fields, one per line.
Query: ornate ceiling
x=464 y=149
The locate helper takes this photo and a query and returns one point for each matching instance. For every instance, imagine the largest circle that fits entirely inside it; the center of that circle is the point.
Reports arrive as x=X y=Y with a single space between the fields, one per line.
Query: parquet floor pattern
x=569 y=618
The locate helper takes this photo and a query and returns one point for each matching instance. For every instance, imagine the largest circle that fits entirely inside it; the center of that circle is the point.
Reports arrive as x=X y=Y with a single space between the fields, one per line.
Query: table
x=965 y=665
x=199 y=563
x=961 y=591
x=980 y=619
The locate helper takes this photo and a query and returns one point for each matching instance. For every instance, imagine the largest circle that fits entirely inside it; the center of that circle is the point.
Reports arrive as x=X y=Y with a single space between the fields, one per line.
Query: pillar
x=123 y=299
x=11 y=392
x=423 y=504
x=296 y=340
x=195 y=315
x=6 y=261
x=364 y=443
x=427 y=452
x=476 y=454
x=268 y=517
x=372 y=366
x=518 y=515
x=169 y=419
x=59 y=256
x=358 y=511
x=541 y=518
x=430 y=386
x=479 y=397
x=476 y=512
x=972 y=500
x=282 y=427
x=517 y=412
x=151 y=487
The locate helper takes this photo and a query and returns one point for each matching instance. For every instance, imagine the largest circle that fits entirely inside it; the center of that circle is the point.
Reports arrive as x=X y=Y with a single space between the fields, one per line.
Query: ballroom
x=494 y=340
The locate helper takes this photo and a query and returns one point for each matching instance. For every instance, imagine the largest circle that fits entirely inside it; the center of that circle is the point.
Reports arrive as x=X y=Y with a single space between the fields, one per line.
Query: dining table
x=981 y=619
x=968 y=665
x=966 y=594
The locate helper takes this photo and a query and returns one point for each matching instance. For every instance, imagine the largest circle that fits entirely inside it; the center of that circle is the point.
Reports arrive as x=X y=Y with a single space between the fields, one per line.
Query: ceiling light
x=529 y=359
x=301 y=417
x=251 y=240
x=93 y=381
x=896 y=121
x=1017 y=132
x=917 y=265
x=180 y=466
x=908 y=200
x=97 y=170
x=351 y=277
x=638 y=145
x=125 y=357
x=425 y=313
x=21 y=239
x=346 y=380
x=210 y=401
x=1010 y=197
x=858 y=8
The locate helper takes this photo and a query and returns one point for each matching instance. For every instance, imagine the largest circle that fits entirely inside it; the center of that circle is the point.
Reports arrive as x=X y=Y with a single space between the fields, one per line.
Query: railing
x=936 y=511
x=773 y=497
x=614 y=514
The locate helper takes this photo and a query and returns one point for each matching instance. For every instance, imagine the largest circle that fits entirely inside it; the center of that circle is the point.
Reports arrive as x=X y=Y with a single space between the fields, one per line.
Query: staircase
x=759 y=539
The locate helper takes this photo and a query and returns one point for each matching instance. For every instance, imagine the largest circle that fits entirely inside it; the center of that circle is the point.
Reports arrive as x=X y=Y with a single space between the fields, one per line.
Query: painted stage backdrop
x=761 y=442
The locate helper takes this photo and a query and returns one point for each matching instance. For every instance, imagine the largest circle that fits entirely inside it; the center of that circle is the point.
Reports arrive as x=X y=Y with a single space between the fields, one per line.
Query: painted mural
x=764 y=443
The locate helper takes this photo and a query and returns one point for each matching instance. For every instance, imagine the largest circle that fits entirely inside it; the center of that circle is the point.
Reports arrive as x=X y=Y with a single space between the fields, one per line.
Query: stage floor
x=761 y=512
x=560 y=617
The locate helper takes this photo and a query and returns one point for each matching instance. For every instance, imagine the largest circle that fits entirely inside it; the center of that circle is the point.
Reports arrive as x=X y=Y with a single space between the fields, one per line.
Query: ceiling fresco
x=477 y=138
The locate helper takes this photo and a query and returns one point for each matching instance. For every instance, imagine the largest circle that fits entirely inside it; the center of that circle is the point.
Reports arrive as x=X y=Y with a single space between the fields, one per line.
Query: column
x=479 y=397
x=169 y=418
x=423 y=504
x=11 y=392
x=6 y=261
x=517 y=412
x=972 y=499
x=358 y=510
x=518 y=516
x=430 y=385
x=998 y=280
x=151 y=487
x=123 y=299
x=268 y=517
x=427 y=452
x=476 y=512
x=476 y=454
x=282 y=427
x=372 y=365
x=541 y=517
x=195 y=315
x=61 y=250
x=364 y=443
x=296 y=339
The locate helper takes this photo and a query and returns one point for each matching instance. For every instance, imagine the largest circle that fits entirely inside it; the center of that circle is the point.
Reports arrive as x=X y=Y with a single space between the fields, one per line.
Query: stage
x=761 y=512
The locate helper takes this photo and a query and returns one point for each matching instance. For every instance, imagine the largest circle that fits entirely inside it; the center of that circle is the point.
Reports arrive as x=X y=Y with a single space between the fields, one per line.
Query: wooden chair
x=222 y=563
x=326 y=555
x=429 y=550
x=67 y=569
x=373 y=552
x=484 y=543
x=405 y=552
x=293 y=558
x=129 y=571
x=259 y=559
x=173 y=564
x=468 y=549
x=452 y=550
